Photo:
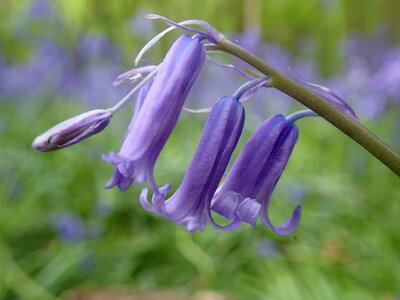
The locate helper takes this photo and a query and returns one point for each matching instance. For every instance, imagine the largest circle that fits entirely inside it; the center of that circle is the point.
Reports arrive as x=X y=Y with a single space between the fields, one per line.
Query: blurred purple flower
x=96 y=48
x=69 y=227
x=40 y=9
x=141 y=27
x=30 y=79
x=297 y=192
x=97 y=80
x=250 y=39
x=387 y=79
x=89 y=70
x=267 y=248
x=222 y=82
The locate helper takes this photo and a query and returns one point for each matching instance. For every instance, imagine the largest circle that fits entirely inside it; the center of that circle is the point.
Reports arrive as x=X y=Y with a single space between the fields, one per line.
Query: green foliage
x=347 y=246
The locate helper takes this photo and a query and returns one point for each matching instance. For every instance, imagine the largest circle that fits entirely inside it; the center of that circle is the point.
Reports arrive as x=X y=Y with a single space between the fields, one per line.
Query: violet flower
x=246 y=192
x=69 y=227
x=117 y=178
x=190 y=204
x=158 y=114
x=73 y=130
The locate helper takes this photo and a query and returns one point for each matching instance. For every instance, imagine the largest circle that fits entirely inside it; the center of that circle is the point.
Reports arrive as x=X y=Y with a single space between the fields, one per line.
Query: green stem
x=337 y=118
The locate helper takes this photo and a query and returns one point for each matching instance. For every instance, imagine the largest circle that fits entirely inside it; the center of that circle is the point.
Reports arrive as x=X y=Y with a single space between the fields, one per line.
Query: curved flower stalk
x=209 y=33
x=188 y=205
x=158 y=114
x=255 y=173
x=330 y=111
x=246 y=192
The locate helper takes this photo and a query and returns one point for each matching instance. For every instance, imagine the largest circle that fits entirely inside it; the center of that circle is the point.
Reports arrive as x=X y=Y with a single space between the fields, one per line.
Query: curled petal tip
x=248 y=211
x=290 y=225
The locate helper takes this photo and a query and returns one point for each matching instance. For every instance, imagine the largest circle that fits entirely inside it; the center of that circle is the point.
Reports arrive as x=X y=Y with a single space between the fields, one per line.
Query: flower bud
x=73 y=130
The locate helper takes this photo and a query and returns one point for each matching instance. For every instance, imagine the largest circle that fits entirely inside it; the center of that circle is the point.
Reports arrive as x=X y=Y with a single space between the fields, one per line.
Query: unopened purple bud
x=255 y=173
x=190 y=204
x=73 y=130
x=158 y=114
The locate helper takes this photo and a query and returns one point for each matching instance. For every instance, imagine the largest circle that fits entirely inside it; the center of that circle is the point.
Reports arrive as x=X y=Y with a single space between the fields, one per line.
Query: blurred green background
x=63 y=236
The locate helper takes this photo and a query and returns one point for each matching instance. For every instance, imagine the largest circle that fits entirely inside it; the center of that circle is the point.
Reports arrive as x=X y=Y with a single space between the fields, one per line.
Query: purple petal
x=117 y=179
x=246 y=174
x=257 y=169
x=288 y=226
x=331 y=97
x=211 y=33
x=226 y=204
x=190 y=204
x=73 y=130
x=154 y=40
x=159 y=110
x=276 y=164
x=248 y=211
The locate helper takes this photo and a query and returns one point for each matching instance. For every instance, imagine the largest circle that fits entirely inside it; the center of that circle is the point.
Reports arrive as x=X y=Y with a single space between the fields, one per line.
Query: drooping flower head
x=158 y=113
x=246 y=192
x=123 y=182
x=188 y=205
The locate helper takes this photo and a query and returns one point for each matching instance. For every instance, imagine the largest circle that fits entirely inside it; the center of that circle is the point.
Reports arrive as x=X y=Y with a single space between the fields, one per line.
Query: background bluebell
x=348 y=242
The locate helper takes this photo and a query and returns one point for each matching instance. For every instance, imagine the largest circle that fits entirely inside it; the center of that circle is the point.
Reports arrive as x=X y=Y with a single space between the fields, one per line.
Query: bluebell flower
x=190 y=204
x=123 y=182
x=246 y=192
x=40 y=9
x=159 y=113
x=267 y=248
x=69 y=227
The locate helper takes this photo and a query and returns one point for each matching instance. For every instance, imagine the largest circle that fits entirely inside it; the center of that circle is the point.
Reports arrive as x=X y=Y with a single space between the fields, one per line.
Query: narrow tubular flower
x=188 y=205
x=73 y=130
x=246 y=192
x=159 y=112
x=117 y=178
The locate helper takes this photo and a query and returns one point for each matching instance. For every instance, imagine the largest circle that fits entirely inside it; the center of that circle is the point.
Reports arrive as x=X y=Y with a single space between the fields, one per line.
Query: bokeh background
x=63 y=236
